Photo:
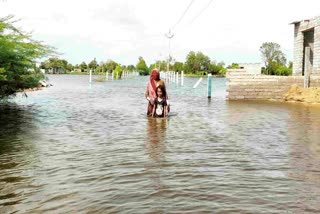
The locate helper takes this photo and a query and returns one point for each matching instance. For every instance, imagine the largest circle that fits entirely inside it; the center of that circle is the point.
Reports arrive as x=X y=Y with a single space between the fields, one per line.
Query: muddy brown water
x=81 y=148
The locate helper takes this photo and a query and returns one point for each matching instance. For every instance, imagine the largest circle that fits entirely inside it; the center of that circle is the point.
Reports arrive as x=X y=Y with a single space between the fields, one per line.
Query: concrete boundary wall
x=245 y=86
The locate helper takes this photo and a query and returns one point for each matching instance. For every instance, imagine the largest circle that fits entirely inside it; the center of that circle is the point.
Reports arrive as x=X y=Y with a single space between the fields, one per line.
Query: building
x=251 y=68
x=306 y=54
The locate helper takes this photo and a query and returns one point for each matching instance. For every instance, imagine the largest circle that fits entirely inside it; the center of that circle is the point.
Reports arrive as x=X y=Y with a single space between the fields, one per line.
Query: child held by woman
x=160 y=103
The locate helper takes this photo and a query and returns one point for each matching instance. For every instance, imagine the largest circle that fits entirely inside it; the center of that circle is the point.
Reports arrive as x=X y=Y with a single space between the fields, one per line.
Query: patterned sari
x=151 y=89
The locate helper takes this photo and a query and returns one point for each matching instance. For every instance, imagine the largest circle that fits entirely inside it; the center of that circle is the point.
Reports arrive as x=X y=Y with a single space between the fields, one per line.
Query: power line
x=201 y=11
x=183 y=14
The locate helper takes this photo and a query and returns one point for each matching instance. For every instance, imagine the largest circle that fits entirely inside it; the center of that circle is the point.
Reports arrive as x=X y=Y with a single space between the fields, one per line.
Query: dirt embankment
x=306 y=95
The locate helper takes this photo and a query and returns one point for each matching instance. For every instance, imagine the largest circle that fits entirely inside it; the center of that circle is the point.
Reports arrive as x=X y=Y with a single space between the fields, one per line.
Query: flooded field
x=77 y=147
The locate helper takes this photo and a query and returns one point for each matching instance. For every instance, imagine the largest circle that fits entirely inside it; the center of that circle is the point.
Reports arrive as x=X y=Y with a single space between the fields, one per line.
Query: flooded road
x=81 y=148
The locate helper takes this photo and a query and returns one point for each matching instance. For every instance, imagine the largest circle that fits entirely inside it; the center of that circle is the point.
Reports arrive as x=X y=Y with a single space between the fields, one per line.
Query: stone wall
x=245 y=86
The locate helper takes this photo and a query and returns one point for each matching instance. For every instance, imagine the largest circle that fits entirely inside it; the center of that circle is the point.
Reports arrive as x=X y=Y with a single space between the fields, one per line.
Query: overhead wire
x=183 y=14
x=199 y=14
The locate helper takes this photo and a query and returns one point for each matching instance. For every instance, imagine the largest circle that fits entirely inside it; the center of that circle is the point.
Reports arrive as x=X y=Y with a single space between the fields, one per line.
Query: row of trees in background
x=19 y=54
x=195 y=64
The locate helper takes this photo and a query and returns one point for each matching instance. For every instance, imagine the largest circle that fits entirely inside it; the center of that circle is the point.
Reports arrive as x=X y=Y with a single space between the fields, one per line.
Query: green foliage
x=131 y=67
x=161 y=65
x=83 y=66
x=111 y=65
x=178 y=67
x=142 y=67
x=93 y=64
x=283 y=71
x=197 y=62
x=3 y=76
x=272 y=56
x=18 y=55
x=216 y=69
x=190 y=64
x=233 y=66
x=117 y=72
x=56 y=65
x=222 y=72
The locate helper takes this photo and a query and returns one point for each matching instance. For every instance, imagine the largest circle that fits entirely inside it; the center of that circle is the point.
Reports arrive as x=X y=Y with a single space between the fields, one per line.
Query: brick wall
x=300 y=28
x=244 y=86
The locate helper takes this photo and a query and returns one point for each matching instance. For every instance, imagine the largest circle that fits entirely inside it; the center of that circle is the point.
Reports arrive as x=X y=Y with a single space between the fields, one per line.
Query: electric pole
x=169 y=35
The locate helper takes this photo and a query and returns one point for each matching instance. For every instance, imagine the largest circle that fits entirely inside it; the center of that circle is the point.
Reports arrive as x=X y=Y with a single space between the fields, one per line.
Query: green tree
x=93 y=64
x=217 y=68
x=117 y=72
x=83 y=66
x=272 y=57
x=161 y=65
x=111 y=65
x=55 y=65
x=203 y=61
x=131 y=67
x=70 y=67
x=233 y=65
x=197 y=62
x=178 y=66
x=191 y=64
x=18 y=56
x=283 y=71
x=141 y=67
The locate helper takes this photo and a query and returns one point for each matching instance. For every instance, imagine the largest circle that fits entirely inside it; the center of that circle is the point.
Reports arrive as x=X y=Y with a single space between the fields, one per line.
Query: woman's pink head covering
x=155 y=75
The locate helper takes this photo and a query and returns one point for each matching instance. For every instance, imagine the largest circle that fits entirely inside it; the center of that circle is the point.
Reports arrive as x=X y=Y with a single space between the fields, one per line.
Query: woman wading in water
x=150 y=94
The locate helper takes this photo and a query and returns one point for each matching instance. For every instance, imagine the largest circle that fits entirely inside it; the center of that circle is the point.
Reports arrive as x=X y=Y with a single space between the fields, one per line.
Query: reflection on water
x=156 y=138
x=84 y=148
x=17 y=154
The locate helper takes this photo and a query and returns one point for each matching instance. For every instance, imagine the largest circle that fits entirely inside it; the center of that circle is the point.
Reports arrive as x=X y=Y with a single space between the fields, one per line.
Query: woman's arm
x=153 y=110
x=147 y=92
x=164 y=85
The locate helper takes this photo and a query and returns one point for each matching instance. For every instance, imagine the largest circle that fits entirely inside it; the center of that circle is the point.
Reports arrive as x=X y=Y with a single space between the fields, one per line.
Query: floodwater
x=81 y=148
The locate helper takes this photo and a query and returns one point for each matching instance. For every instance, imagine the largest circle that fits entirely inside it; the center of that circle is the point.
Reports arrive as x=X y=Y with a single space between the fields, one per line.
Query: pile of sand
x=299 y=94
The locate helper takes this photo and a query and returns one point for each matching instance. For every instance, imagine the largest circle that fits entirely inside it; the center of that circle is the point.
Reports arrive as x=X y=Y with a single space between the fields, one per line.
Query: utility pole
x=169 y=35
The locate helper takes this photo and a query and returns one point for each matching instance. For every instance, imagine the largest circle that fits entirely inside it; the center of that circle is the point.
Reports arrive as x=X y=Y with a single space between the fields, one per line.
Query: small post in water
x=181 y=78
x=90 y=75
x=177 y=77
x=209 y=86
x=197 y=83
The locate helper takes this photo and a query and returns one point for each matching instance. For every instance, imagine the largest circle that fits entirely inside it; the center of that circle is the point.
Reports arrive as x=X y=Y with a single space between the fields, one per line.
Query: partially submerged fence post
x=209 y=85
x=197 y=83
x=181 y=78
x=177 y=77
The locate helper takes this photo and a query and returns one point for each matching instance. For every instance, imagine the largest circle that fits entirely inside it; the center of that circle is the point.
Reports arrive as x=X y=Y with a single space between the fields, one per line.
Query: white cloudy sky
x=123 y=30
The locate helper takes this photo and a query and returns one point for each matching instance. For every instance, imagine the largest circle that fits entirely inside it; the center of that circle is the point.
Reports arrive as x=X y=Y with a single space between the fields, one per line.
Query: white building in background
x=251 y=68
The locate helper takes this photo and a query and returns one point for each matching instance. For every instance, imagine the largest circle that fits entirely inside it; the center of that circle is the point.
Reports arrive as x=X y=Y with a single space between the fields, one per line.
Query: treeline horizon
x=20 y=54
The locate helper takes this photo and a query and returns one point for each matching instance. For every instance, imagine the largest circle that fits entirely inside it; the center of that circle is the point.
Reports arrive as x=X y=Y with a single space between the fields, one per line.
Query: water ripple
x=80 y=148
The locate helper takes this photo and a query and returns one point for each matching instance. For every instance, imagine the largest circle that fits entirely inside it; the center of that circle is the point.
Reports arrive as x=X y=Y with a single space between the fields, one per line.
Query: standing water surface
x=81 y=148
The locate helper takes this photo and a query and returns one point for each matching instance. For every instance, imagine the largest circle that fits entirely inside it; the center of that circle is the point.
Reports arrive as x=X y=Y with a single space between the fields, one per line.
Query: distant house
x=251 y=68
x=306 y=54
x=56 y=71
x=77 y=70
